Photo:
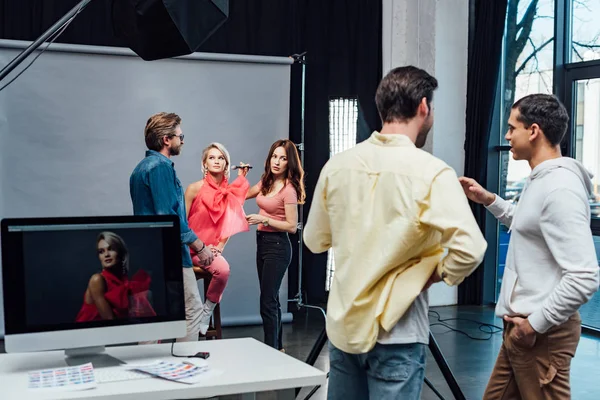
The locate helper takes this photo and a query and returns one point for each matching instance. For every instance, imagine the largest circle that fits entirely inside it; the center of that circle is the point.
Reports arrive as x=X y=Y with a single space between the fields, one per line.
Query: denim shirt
x=156 y=190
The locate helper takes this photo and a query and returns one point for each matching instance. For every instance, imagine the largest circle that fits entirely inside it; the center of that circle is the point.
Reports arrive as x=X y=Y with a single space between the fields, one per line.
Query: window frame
x=573 y=73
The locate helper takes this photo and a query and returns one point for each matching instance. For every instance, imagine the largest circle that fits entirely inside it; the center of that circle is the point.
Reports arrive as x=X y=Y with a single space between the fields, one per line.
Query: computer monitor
x=81 y=283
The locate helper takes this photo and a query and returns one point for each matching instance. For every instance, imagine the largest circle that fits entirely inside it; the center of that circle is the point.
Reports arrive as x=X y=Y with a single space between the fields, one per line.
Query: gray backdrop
x=72 y=131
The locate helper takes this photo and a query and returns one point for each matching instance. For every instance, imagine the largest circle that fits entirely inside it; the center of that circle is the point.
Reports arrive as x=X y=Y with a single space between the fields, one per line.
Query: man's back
x=375 y=194
x=140 y=183
x=388 y=205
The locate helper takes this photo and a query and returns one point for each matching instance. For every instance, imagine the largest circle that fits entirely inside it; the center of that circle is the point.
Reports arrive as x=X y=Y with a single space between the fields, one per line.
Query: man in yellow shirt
x=389 y=210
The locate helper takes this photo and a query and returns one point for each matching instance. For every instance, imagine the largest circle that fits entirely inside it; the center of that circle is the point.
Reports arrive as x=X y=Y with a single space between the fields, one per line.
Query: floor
x=470 y=360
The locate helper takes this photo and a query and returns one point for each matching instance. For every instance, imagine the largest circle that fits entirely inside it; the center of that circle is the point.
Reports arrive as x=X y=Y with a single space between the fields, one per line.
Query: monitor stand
x=95 y=355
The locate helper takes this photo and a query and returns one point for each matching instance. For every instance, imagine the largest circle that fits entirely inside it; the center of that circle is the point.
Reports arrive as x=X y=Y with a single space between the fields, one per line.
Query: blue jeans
x=388 y=371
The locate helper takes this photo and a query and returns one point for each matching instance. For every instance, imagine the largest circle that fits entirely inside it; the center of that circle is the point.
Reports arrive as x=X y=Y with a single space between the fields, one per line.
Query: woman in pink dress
x=110 y=293
x=215 y=213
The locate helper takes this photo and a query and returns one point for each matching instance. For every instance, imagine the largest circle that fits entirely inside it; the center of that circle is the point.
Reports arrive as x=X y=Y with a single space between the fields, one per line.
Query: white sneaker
x=205 y=320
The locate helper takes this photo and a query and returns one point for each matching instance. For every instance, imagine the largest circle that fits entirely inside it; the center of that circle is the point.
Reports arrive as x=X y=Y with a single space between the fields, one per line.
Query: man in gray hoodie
x=551 y=267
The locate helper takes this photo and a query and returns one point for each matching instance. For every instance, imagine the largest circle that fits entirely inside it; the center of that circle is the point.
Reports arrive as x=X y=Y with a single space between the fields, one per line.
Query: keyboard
x=118 y=374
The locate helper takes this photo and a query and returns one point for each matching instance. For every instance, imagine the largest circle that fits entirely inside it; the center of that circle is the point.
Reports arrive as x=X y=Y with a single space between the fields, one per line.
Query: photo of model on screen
x=110 y=294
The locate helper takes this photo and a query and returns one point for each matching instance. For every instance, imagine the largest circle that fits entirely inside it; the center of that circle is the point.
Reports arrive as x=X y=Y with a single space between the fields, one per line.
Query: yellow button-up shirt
x=388 y=210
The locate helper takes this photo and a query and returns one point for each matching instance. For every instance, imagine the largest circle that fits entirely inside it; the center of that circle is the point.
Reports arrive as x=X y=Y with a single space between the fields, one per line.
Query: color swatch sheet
x=176 y=371
x=80 y=377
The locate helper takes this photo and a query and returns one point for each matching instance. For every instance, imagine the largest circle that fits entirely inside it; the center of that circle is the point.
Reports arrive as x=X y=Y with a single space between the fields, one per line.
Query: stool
x=214 y=329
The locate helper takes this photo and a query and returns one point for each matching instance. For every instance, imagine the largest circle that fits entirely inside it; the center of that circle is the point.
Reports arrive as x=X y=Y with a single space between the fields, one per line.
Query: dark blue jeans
x=273 y=257
x=388 y=371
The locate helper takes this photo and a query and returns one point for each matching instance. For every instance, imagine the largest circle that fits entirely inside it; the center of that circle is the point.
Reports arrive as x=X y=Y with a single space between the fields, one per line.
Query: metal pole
x=301 y=59
x=301 y=214
x=39 y=41
x=445 y=369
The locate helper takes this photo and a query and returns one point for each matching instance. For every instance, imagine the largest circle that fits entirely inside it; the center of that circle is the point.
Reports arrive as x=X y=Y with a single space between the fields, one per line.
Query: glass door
x=584 y=145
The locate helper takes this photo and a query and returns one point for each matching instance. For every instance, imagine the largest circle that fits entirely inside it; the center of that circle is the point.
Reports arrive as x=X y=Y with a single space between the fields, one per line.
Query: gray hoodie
x=551 y=266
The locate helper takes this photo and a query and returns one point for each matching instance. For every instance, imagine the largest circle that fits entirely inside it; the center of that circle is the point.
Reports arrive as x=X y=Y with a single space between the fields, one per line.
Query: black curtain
x=343 y=44
x=343 y=40
x=487 y=28
x=28 y=19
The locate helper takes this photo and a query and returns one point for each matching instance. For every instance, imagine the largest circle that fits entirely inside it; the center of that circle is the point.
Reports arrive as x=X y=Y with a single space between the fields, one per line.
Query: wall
x=433 y=35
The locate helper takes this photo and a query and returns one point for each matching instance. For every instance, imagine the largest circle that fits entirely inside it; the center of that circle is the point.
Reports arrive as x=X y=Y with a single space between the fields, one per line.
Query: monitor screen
x=77 y=273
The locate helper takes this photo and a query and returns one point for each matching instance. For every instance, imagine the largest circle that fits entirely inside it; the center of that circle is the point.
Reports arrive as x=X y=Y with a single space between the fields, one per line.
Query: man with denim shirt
x=156 y=190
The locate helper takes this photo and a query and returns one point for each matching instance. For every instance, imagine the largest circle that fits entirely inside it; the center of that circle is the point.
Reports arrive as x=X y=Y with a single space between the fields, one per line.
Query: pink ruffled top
x=127 y=298
x=217 y=211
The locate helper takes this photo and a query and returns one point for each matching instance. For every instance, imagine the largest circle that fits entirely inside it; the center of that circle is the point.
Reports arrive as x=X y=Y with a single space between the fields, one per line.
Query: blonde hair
x=118 y=244
x=223 y=151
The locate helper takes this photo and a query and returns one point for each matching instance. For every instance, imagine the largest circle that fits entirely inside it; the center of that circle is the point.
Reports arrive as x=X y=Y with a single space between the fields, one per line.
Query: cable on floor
x=489 y=329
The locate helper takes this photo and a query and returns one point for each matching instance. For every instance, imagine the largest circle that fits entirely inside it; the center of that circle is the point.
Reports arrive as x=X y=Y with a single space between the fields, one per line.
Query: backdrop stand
x=298 y=299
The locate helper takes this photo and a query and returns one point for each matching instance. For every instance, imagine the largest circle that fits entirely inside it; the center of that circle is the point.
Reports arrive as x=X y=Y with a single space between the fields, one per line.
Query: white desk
x=248 y=366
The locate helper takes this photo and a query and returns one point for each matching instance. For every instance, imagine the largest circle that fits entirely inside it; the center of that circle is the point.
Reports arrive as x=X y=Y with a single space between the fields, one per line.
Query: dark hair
x=400 y=92
x=295 y=173
x=546 y=111
x=158 y=126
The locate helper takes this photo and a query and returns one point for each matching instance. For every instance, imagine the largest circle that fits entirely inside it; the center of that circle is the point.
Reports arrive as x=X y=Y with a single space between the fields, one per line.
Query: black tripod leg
x=317 y=348
x=433 y=389
x=314 y=354
x=433 y=347
x=443 y=365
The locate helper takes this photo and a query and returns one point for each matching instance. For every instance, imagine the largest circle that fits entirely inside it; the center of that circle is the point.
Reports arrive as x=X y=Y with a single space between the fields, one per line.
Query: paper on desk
x=80 y=377
x=175 y=371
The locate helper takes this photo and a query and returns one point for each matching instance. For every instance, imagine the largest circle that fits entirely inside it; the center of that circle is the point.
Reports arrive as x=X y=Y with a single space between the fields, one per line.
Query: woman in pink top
x=215 y=213
x=277 y=194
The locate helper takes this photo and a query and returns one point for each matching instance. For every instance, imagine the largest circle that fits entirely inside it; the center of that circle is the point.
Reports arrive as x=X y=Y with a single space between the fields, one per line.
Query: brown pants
x=537 y=373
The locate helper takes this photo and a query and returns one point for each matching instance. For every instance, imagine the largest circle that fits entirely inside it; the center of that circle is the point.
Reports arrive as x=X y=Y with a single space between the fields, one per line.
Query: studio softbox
x=157 y=29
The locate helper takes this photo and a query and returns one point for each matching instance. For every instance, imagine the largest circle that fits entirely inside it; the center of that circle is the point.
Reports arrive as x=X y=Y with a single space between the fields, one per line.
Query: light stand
x=39 y=41
x=298 y=299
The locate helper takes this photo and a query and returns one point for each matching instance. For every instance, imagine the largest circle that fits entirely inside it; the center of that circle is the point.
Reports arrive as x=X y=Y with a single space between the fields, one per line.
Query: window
x=343 y=122
x=587 y=132
x=585 y=137
x=590 y=311
x=527 y=67
x=585 y=35
x=579 y=118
